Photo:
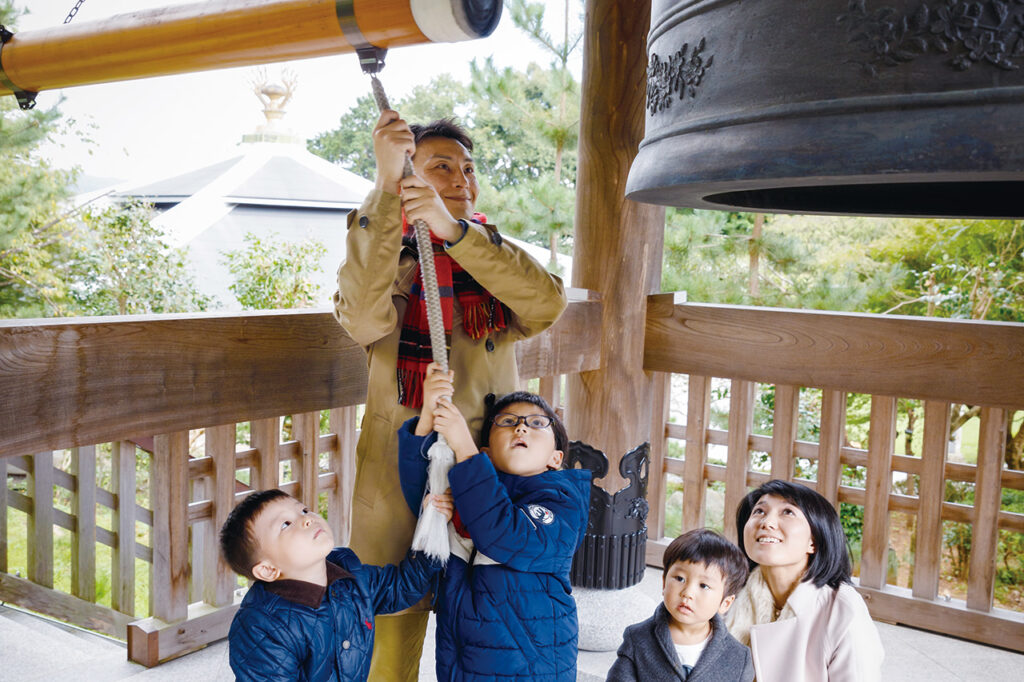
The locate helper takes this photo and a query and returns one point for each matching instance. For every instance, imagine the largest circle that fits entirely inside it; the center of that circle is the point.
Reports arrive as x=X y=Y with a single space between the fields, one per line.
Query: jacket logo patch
x=541 y=514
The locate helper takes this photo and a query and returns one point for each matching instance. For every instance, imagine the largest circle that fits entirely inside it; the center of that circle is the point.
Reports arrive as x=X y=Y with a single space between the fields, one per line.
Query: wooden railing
x=115 y=383
x=939 y=362
x=81 y=386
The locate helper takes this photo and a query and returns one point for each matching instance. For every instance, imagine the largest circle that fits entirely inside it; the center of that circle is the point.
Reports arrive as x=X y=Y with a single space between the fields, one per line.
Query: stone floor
x=33 y=649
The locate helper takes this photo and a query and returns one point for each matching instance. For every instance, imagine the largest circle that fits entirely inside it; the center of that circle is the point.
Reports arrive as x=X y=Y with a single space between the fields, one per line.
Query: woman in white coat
x=799 y=613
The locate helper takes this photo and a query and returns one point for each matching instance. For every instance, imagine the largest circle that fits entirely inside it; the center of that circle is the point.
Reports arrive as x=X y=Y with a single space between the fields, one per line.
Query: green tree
x=524 y=124
x=272 y=274
x=536 y=203
x=350 y=145
x=965 y=269
x=33 y=230
x=124 y=266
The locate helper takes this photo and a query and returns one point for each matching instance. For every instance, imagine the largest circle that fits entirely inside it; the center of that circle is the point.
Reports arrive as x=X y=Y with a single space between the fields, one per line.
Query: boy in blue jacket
x=504 y=604
x=309 y=614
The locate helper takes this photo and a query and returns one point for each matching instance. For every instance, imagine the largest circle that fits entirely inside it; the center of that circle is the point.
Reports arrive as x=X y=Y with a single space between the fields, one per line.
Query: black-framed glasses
x=534 y=421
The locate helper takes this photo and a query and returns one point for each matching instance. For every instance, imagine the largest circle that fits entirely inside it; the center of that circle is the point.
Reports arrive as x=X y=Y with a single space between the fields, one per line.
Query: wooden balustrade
x=937 y=361
x=99 y=385
x=103 y=385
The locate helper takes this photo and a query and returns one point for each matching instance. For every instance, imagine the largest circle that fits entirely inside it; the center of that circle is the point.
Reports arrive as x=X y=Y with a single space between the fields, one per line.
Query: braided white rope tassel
x=431 y=534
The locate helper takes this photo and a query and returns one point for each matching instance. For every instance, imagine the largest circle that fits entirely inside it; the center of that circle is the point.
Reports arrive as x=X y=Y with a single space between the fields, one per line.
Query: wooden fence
x=73 y=384
x=939 y=362
x=68 y=385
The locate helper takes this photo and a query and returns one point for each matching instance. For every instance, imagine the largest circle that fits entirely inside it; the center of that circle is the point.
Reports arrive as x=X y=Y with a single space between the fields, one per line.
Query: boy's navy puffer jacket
x=510 y=615
x=274 y=638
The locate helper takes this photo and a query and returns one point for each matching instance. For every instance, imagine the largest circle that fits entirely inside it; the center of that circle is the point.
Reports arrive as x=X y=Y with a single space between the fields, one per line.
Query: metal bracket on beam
x=26 y=98
x=371 y=58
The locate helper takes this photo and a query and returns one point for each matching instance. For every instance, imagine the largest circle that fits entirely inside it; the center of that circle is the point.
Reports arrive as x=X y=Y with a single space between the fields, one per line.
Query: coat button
x=363 y=221
x=489 y=345
x=346 y=644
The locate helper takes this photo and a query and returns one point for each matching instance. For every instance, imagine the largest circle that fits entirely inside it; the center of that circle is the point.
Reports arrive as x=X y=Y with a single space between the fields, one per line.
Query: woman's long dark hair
x=830 y=564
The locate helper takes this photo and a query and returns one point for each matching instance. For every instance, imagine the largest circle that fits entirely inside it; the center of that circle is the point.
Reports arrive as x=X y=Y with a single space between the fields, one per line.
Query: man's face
x=448 y=166
x=293 y=540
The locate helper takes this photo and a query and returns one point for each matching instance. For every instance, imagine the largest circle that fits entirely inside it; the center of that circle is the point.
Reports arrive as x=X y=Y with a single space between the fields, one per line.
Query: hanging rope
x=431 y=534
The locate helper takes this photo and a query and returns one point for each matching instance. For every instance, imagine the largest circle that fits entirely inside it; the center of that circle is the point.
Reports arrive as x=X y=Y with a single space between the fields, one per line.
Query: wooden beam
x=62 y=606
x=620 y=241
x=203 y=35
x=978 y=363
x=569 y=346
x=168 y=373
x=152 y=641
x=998 y=627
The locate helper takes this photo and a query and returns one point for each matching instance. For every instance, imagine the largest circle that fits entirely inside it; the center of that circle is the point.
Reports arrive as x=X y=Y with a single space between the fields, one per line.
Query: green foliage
x=960 y=269
x=275 y=274
x=124 y=266
x=350 y=145
x=524 y=125
x=851 y=516
x=33 y=230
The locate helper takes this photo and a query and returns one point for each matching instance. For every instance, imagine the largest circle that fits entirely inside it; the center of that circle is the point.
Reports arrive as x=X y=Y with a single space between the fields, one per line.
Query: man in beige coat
x=374 y=284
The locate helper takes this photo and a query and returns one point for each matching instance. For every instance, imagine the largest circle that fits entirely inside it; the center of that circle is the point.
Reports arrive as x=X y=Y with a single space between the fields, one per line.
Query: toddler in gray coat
x=686 y=638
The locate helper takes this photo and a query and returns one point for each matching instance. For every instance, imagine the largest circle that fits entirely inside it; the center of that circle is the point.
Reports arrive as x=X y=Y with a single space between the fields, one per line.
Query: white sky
x=156 y=127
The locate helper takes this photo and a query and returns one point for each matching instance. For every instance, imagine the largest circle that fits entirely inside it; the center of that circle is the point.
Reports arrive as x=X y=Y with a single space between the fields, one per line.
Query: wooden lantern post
x=618 y=252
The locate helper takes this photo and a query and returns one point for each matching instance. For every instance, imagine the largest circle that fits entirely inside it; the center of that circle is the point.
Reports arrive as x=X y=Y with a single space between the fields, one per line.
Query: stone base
x=605 y=614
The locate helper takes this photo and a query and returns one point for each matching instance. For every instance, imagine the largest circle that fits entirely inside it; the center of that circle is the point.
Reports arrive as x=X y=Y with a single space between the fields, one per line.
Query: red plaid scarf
x=482 y=313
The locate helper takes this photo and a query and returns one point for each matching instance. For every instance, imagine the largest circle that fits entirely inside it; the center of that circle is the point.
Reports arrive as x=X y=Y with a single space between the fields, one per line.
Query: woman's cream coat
x=820 y=635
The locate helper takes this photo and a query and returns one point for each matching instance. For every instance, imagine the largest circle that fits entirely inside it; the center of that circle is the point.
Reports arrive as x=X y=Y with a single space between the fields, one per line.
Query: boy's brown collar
x=306 y=593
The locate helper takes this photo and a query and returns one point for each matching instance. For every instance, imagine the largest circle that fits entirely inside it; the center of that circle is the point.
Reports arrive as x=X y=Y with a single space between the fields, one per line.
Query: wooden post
x=881 y=441
x=122 y=581
x=169 y=585
x=306 y=430
x=343 y=464
x=218 y=578
x=3 y=515
x=618 y=244
x=741 y=425
x=698 y=416
x=830 y=444
x=928 y=557
x=659 y=451
x=784 y=430
x=988 y=493
x=266 y=435
x=40 y=521
x=83 y=540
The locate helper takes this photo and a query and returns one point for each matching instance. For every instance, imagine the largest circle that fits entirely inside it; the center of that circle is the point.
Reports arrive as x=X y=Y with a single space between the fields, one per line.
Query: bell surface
x=863 y=107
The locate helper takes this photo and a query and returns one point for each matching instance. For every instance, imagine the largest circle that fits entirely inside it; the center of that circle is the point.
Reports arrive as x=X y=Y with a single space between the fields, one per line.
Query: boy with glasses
x=504 y=604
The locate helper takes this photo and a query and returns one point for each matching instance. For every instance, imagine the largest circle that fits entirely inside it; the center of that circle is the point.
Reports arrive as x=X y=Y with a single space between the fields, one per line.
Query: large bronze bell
x=867 y=107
